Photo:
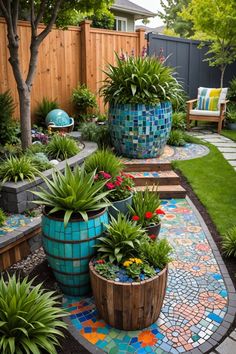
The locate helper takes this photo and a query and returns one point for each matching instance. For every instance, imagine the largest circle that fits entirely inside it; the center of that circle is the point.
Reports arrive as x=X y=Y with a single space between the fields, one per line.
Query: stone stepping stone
x=230 y=156
x=228 y=144
x=227 y=149
x=232 y=163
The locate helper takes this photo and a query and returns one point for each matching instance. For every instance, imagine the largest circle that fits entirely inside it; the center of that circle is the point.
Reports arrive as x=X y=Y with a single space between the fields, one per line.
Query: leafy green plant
x=231 y=113
x=104 y=160
x=178 y=121
x=145 y=207
x=2 y=217
x=44 y=107
x=15 y=169
x=137 y=269
x=83 y=99
x=106 y=270
x=232 y=89
x=72 y=192
x=29 y=318
x=97 y=133
x=179 y=104
x=7 y=125
x=156 y=253
x=229 y=242
x=139 y=80
x=41 y=161
x=36 y=148
x=121 y=241
x=176 y=138
x=62 y=147
x=10 y=150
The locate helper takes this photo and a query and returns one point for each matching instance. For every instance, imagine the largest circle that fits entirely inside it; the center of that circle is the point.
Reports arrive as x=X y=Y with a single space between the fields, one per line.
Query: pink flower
x=110 y=185
x=106 y=175
x=117 y=183
x=119 y=179
x=96 y=177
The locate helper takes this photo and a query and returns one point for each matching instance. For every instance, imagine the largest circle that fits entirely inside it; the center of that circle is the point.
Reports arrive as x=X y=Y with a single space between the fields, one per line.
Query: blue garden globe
x=58 y=118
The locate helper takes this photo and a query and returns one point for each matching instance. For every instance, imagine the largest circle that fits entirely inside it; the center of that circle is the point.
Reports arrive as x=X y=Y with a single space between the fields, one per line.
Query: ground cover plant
x=176 y=138
x=229 y=242
x=62 y=147
x=29 y=318
x=214 y=182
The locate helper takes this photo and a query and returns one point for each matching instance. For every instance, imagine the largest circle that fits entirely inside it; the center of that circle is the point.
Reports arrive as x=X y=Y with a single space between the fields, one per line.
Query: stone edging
x=16 y=197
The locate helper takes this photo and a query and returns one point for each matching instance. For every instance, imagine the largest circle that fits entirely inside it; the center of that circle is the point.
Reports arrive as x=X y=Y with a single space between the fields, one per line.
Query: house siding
x=129 y=17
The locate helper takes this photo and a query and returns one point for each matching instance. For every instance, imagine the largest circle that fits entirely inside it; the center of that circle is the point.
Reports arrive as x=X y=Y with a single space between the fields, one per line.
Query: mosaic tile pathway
x=187 y=152
x=13 y=222
x=195 y=305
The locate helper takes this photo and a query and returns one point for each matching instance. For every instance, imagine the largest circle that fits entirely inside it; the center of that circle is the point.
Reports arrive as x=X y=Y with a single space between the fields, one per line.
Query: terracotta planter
x=129 y=306
x=120 y=206
x=153 y=229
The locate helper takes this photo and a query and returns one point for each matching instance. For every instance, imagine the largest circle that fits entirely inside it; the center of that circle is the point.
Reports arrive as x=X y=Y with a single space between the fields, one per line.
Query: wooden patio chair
x=206 y=115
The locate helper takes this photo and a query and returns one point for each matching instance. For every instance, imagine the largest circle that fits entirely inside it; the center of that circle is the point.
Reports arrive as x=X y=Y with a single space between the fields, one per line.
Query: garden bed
x=17 y=197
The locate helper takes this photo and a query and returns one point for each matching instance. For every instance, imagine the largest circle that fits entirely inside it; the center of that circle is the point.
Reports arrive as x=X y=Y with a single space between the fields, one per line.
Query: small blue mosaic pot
x=138 y=130
x=70 y=249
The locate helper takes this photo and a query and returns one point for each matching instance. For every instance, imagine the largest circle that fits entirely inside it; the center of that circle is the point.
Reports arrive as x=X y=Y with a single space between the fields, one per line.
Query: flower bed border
x=16 y=197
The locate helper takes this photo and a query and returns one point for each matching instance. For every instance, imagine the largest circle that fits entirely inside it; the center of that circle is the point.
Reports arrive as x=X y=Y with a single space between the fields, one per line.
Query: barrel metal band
x=69 y=273
x=69 y=241
x=68 y=259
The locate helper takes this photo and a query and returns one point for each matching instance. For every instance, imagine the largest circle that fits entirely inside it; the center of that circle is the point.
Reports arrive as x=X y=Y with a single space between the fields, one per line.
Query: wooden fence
x=66 y=58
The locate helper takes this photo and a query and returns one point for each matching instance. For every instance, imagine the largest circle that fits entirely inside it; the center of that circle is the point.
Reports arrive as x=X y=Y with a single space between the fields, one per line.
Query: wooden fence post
x=86 y=54
x=142 y=42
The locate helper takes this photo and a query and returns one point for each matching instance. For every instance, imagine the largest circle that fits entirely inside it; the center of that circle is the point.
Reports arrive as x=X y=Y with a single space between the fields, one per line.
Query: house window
x=121 y=24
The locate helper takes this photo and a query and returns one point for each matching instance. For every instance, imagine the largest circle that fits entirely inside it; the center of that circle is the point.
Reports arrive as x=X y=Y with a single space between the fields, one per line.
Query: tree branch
x=15 y=14
x=40 y=14
x=48 y=28
x=4 y=10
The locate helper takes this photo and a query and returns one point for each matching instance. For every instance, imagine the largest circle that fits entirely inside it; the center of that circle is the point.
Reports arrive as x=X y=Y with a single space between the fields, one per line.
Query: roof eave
x=137 y=16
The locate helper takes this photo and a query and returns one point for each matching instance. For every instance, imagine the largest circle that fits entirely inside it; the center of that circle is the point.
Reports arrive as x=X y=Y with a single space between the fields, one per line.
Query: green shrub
x=122 y=240
x=232 y=89
x=157 y=253
x=15 y=169
x=104 y=160
x=44 y=107
x=83 y=99
x=178 y=121
x=2 y=217
x=41 y=161
x=29 y=318
x=36 y=148
x=139 y=80
x=229 y=242
x=179 y=105
x=10 y=150
x=62 y=147
x=73 y=193
x=7 y=125
x=97 y=133
x=176 y=138
x=231 y=113
x=145 y=206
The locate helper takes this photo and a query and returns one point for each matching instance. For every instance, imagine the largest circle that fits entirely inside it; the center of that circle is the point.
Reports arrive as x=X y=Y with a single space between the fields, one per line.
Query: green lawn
x=231 y=134
x=214 y=182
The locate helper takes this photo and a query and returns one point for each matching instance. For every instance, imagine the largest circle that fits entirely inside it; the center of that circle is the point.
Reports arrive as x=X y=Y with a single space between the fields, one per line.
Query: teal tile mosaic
x=195 y=304
x=140 y=131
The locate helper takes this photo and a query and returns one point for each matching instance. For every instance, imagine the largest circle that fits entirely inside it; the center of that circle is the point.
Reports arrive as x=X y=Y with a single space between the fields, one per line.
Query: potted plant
x=121 y=191
x=139 y=91
x=129 y=275
x=231 y=117
x=74 y=216
x=145 y=210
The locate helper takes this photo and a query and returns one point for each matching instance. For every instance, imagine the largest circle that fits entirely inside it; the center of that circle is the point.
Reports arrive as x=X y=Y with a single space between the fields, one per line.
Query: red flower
x=148 y=215
x=153 y=237
x=129 y=188
x=119 y=179
x=105 y=175
x=110 y=185
x=160 y=212
x=117 y=183
x=135 y=217
x=100 y=261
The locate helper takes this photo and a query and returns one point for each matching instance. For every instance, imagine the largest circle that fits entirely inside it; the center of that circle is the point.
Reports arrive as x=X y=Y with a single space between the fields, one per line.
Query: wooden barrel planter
x=129 y=306
x=70 y=249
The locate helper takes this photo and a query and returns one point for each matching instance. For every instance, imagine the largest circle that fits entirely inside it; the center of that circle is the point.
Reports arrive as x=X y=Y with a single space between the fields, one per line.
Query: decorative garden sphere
x=58 y=117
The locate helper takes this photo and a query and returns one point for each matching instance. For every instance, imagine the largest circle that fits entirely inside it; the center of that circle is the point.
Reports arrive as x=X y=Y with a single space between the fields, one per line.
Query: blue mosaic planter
x=138 y=130
x=70 y=249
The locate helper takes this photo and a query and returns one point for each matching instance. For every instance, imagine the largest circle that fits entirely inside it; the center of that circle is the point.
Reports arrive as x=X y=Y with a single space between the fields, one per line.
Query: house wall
x=66 y=58
x=130 y=19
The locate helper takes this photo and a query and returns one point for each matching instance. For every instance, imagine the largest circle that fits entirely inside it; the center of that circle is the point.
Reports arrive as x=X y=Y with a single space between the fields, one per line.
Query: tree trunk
x=222 y=76
x=25 y=114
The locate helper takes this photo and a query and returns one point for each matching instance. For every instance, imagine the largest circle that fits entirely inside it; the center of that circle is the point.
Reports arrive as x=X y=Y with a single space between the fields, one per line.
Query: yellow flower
x=132 y=259
x=127 y=263
x=138 y=261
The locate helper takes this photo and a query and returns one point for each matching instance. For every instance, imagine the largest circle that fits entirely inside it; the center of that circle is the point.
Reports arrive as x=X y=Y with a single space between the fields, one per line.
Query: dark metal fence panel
x=187 y=59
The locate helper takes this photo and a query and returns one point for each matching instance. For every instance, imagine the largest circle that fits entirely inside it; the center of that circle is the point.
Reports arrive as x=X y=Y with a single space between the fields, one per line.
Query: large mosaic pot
x=138 y=130
x=70 y=249
x=129 y=306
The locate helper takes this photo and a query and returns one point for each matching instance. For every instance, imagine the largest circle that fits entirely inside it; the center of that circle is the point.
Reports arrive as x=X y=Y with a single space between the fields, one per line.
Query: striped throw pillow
x=208 y=99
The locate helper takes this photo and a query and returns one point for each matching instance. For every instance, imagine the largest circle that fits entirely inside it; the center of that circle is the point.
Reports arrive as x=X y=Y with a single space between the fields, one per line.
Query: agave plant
x=122 y=240
x=140 y=80
x=73 y=193
x=29 y=318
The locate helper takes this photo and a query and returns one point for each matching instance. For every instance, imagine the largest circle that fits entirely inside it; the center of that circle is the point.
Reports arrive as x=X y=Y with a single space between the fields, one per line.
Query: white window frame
x=122 y=19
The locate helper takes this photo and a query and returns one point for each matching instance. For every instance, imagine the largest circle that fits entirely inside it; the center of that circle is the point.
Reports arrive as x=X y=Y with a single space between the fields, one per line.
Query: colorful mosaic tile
x=195 y=303
x=171 y=153
x=13 y=222
x=138 y=130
